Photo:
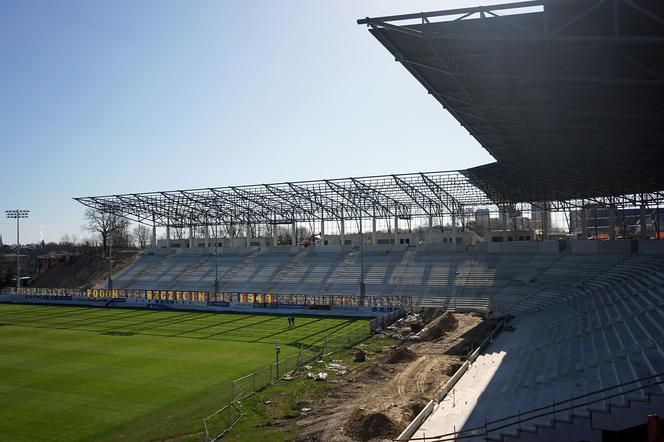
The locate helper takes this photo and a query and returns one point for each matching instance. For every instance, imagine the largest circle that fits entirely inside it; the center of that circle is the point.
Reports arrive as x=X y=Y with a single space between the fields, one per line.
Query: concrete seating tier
x=598 y=340
x=510 y=283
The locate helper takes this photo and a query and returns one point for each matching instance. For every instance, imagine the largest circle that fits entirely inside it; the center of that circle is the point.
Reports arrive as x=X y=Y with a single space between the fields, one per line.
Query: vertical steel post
x=362 y=287
x=110 y=262
x=18 y=254
x=216 y=259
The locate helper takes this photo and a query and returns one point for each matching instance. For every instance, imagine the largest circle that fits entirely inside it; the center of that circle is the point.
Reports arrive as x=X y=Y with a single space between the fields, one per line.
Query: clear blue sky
x=108 y=96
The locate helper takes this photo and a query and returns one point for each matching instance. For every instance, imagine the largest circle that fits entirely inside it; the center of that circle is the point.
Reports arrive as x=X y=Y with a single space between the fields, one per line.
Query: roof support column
x=275 y=236
x=207 y=236
x=294 y=234
x=545 y=222
x=584 y=222
x=430 y=231
x=342 y=236
x=322 y=230
x=373 y=230
x=454 y=229
x=191 y=236
x=168 y=234
x=503 y=215
x=612 y=222
x=154 y=233
x=642 y=221
x=248 y=238
x=360 y=233
x=396 y=230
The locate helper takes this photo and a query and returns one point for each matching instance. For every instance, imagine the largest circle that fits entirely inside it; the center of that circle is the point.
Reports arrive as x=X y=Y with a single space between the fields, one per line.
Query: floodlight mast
x=18 y=214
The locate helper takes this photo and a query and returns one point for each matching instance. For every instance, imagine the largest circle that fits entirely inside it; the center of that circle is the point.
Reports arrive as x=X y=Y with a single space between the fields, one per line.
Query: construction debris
x=337 y=368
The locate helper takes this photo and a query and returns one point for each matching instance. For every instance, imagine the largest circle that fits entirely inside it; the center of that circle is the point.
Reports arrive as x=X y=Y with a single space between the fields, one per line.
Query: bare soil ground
x=377 y=401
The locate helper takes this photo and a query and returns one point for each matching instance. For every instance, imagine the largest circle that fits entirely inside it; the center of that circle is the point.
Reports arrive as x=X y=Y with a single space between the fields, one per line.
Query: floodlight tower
x=17 y=214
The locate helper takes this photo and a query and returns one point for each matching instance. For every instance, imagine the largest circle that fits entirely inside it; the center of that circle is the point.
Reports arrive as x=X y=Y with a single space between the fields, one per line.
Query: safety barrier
x=386 y=320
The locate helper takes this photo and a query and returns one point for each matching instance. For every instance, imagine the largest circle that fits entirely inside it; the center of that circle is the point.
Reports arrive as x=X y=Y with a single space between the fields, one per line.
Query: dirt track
x=376 y=402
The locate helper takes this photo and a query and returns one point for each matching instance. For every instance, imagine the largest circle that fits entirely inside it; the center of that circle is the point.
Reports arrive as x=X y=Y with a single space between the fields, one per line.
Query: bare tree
x=104 y=224
x=66 y=240
x=141 y=235
x=121 y=235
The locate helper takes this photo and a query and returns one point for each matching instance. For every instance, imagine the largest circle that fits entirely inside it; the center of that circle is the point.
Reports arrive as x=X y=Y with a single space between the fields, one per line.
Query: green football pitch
x=85 y=373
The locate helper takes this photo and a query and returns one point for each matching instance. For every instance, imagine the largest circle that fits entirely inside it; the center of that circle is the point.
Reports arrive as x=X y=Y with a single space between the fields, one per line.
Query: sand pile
x=369 y=425
x=439 y=326
x=401 y=354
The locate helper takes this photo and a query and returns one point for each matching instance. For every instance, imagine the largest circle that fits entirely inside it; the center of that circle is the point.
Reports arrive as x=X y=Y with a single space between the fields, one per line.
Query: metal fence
x=222 y=421
x=386 y=320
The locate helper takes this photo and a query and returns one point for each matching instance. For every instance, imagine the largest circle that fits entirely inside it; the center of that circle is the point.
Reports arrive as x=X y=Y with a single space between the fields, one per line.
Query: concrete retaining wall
x=581 y=247
x=523 y=247
x=651 y=247
x=415 y=425
x=331 y=248
x=377 y=248
x=591 y=247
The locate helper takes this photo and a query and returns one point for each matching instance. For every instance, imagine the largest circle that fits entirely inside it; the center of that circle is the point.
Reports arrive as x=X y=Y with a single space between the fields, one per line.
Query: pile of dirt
x=366 y=426
x=394 y=392
x=415 y=408
x=440 y=326
x=429 y=314
x=375 y=372
x=400 y=354
x=452 y=368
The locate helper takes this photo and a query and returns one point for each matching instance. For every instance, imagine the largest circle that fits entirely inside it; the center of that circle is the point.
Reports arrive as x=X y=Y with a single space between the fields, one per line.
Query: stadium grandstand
x=568 y=97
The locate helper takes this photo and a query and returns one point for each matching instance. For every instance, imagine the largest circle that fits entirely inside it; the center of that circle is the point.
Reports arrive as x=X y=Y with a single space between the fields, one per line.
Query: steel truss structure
x=403 y=196
x=567 y=95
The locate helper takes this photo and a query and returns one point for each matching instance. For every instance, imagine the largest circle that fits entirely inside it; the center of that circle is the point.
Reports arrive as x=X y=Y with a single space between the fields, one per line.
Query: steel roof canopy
x=403 y=196
x=567 y=96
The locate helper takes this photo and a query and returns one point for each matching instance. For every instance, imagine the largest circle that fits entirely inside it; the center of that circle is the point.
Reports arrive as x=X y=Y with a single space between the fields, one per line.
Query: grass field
x=84 y=373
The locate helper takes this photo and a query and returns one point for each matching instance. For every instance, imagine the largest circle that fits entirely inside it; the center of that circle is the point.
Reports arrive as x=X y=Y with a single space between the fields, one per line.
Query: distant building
x=53 y=259
x=627 y=221
x=482 y=218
